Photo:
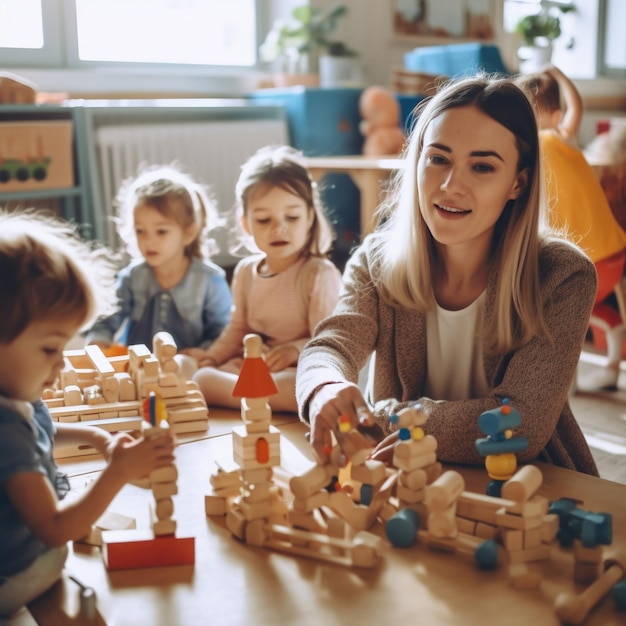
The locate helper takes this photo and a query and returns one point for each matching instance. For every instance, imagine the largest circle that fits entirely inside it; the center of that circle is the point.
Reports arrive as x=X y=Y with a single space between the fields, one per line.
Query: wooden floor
x=602 y=417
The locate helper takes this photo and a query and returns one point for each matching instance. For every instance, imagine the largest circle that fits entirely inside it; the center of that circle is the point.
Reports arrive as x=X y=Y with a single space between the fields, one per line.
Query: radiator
x=211 y=152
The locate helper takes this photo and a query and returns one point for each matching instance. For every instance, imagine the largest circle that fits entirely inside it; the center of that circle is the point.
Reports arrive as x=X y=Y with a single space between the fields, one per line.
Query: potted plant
x=538 y=31
x=296 y=44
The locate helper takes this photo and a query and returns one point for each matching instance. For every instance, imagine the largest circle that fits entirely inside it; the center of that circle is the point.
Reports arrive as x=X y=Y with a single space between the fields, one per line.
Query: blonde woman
x=462 y=295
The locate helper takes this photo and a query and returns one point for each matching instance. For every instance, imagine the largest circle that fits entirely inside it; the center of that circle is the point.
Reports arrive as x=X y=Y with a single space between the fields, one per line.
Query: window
x=578 y=50
x=75 y=33
x=612 y=56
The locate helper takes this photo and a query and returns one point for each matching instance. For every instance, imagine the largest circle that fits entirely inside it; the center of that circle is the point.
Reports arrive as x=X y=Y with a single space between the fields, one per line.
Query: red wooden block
x=132 y=549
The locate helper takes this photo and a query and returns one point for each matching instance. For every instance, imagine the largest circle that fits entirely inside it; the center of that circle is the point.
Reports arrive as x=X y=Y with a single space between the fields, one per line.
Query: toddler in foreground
x=50 y=288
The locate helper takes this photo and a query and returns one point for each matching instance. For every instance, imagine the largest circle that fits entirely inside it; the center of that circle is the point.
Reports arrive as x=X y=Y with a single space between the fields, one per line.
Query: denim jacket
x=194 y=311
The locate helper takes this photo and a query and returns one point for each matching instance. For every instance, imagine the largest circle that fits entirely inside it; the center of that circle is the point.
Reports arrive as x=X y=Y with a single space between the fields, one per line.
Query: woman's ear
x=520 y=184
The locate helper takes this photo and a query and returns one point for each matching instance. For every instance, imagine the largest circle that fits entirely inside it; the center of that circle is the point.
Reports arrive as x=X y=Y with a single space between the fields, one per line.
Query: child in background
x=163 y=217
x=463 y=296
x=579 y=206
x=51 y=286
x=282 y=292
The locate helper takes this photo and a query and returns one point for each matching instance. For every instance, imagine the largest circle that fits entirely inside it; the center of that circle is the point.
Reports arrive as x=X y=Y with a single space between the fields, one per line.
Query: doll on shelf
x=380 y=124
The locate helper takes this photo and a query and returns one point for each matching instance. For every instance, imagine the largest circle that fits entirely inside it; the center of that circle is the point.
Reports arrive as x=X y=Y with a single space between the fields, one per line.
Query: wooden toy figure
x=500 y=446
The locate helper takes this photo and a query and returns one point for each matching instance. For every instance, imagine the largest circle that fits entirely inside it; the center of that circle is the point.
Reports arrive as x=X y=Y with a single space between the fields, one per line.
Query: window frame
x=602 y=69
x=60 y=49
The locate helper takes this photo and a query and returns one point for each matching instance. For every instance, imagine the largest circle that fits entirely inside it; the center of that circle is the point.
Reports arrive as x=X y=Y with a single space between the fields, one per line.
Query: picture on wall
x=465 y=19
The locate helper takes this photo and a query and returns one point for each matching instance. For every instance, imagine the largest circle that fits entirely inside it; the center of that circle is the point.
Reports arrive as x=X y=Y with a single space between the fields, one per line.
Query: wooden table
x=233 y=584
x=368 y=173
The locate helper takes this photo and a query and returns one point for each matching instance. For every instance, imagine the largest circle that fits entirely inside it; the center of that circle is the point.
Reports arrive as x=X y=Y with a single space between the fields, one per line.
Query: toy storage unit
x=456 y=60
x=325 y=122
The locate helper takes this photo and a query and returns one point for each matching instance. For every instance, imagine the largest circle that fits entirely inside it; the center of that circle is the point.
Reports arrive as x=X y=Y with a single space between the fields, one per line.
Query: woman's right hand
x=334 y=401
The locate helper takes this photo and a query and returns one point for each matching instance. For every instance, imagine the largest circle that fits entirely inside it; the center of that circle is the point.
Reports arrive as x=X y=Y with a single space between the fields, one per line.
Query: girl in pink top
x=285 y=289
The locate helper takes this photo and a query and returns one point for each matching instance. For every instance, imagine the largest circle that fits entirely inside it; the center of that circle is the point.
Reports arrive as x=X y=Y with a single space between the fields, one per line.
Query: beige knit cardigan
x=536 y=378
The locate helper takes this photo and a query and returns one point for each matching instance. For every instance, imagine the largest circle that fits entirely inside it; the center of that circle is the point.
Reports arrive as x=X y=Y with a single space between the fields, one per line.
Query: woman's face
x=466 y=174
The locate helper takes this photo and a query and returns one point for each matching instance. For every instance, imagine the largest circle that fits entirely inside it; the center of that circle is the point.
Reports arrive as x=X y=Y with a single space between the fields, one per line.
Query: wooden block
x=523 y=484
x=417 y=479
x=532 y=537
x=413 y=463
x=315 y=501
x=549 y=527
x=370 y=472
x=215 y=505
x=442 y=522
x=410 y=495
x=587 y=555
x=525 y=576
x=484 y=531
x=107 y=521
x=441 y=494
x=255 y=533
x=187 y=414
x=167 y=474
x=256 y=475
x=512 y=539
x=164 y=508
x=99 y=360
x=163 y=490
x=182 y=428
x=130 y=549
x=314 y=479
x=168 y=380
x=164 y=527
x=163 y=345
x=586 y=573
x=72 y=395
x=254 y=510
x=532 y=554
x=507 y=520
x=259 y=492
x=410 y=448
x=467 y=526
x=127 y=389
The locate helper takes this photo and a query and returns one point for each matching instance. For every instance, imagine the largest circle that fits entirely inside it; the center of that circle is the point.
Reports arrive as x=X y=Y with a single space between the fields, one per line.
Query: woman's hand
x=384 y=450
x=329 y=404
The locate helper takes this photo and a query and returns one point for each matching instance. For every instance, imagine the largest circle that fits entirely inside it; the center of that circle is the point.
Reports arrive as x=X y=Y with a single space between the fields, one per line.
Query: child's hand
x=195 y=353
x=280 y=357
x=133 y=460
x=207 y=361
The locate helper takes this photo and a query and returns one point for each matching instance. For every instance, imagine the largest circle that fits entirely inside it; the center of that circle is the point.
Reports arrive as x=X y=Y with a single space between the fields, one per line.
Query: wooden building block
x=523 y=484
x=441 y=494
x=314 y=479
x=72 y=395
x=99 y=360
x=417 y=479
x=130 y=549
x=164 y=346
x=525 y=576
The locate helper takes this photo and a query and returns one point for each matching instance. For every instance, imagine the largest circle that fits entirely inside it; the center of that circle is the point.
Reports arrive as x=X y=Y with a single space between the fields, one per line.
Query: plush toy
x=380 y=125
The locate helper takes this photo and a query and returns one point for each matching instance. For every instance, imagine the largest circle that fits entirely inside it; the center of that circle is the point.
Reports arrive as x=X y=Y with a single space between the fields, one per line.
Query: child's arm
x=68 y=434
x=55 y=522
x=216 y=310
x=104 y=329
x=569 y=126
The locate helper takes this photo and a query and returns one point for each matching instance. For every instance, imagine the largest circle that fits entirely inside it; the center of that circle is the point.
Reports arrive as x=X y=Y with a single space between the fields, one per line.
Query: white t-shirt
x=454 y=354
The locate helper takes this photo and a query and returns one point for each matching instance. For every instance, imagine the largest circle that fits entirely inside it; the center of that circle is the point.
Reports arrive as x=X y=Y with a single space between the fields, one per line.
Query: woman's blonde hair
x=49 y=272
x=282 y=166
x=176 y=196
x=406 y=248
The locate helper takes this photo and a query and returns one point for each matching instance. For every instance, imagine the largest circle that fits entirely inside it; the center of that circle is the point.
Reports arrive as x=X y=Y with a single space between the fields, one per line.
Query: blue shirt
x=26 y=436
x=194 y=311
